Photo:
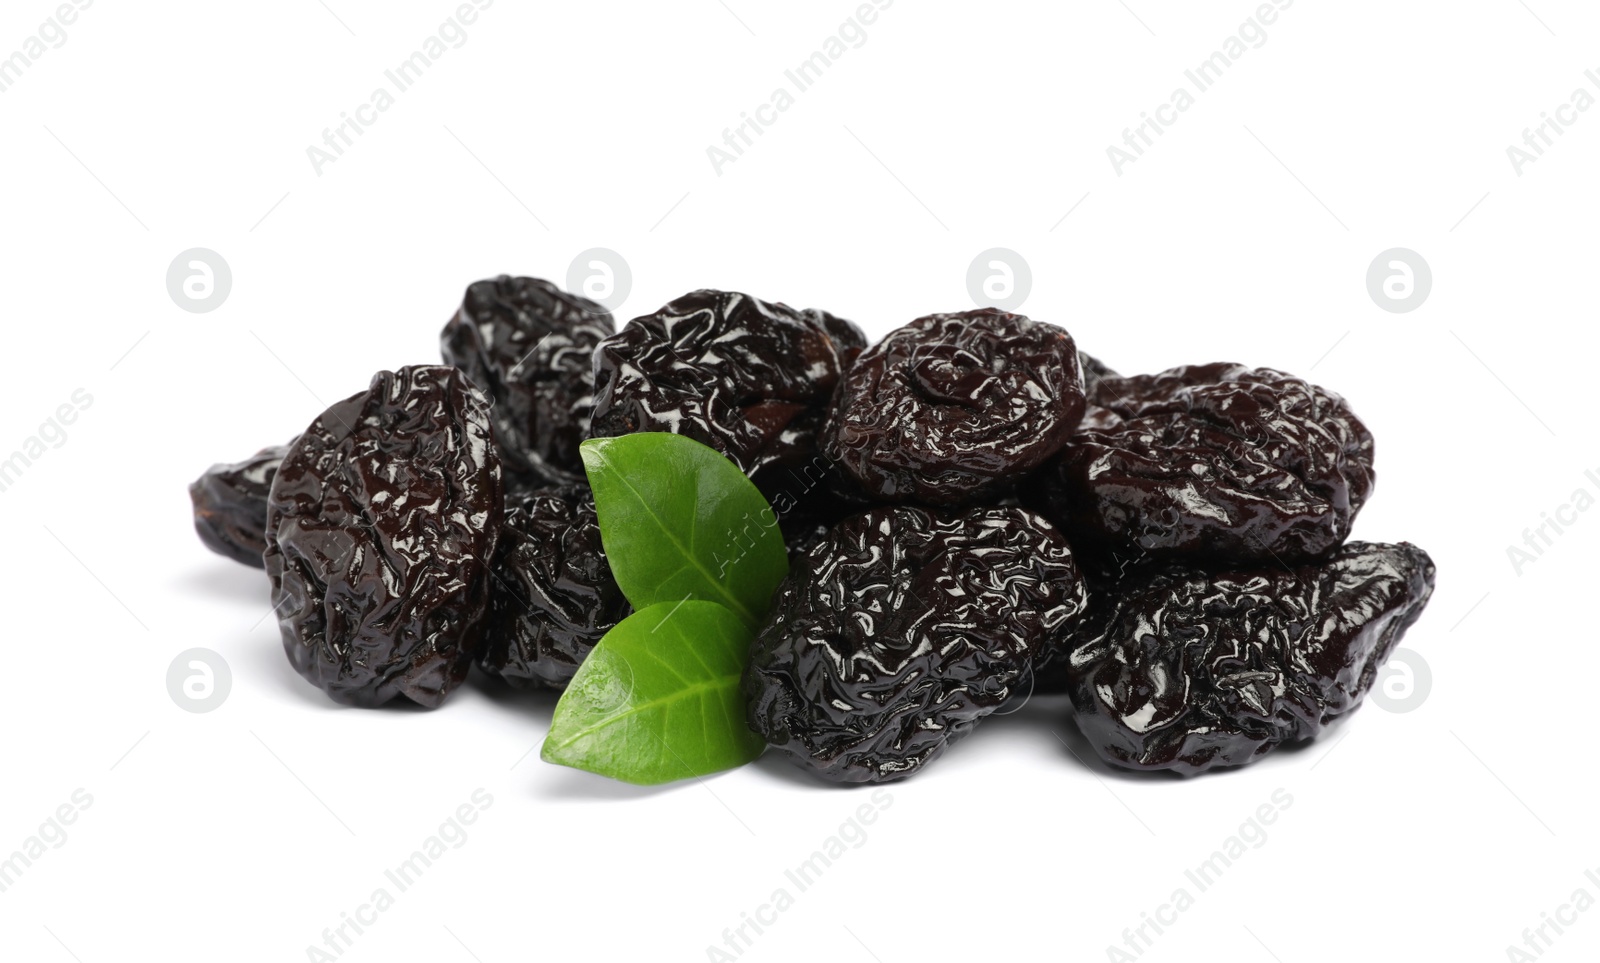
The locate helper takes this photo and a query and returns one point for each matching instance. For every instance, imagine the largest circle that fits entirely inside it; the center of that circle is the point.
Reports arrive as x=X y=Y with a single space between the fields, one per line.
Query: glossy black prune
x=1212 y=463
x=811 y=500
x=802 y=534
x=895 y=634
x=1099 y=392
x=381 y=528
x=1094 y=371
x=553 y=595
x=952 y=408
x=230 y=505
x=1187 y=670
x=528 y=346
x=751 y=379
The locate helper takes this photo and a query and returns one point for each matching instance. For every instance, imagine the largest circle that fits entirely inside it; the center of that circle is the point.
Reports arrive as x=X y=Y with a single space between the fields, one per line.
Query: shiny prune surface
x=381 y=528
x=1188 y=670
x=1099 y=392
x=1210 y=463
x=230 y=505
x=901 y=629
x=749 y=378
x=802 y=534
x=553 y=595
x=1094 y=371
x=528 y=346
x=953 y=408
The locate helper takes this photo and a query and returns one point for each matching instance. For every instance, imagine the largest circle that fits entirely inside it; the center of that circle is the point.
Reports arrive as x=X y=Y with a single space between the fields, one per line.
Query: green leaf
x=680 y=521
x=658 y=699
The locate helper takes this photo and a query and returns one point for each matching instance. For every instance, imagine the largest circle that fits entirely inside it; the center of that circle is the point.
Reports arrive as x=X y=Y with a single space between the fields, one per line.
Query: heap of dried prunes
x=974 y=510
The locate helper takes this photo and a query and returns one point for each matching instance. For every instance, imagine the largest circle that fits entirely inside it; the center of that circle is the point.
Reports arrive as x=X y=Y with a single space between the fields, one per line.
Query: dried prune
x=899 y=631
x=528 y=345
x=849 y=339
x=553 y=595
x=751 y=379
x=230 y=505
x=803 y=533
x=1184 y=670
x=1099 y=390
x=1094 y=371
x=1213 y=463
x=811 y=500
x=954 y=407
x=381 y=528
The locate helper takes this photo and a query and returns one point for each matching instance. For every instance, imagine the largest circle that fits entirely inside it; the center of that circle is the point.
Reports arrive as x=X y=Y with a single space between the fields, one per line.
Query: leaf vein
x=688 y=553
x=722 y=682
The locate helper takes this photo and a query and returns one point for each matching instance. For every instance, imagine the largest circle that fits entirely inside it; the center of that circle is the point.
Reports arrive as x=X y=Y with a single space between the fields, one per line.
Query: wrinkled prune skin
x=847 y=337
x=1189 y=671
x=1214 y=463
x=528 y=346
x=749 y=378
x=554 y=595
x=801 y=535
x=953 y=408
x=1099 y=395
x=894 y=635
x=230 y=505
x=811 y=500
x=1094 y=371
x=381 y=528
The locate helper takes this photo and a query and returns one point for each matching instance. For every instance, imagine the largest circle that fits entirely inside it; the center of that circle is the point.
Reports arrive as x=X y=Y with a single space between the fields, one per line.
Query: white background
x=1244 y=234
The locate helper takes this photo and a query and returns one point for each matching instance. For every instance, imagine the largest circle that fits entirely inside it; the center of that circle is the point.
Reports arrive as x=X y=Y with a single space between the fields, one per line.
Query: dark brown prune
x=1210 y=463
x=954 y=407
x=1094 y=371
x=749 y=378
x=230 y=505
x=528 y=345
x=554 y=595
x=899 y=631
x=849 y=339
x=811 y=500
x=1184 y=670
x=381 y=528
x=1099 y=394
x=801 y=534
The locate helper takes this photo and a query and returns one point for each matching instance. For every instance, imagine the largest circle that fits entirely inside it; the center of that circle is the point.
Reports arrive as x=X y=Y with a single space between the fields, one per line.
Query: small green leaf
x=679 y=520
x=658 y=698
